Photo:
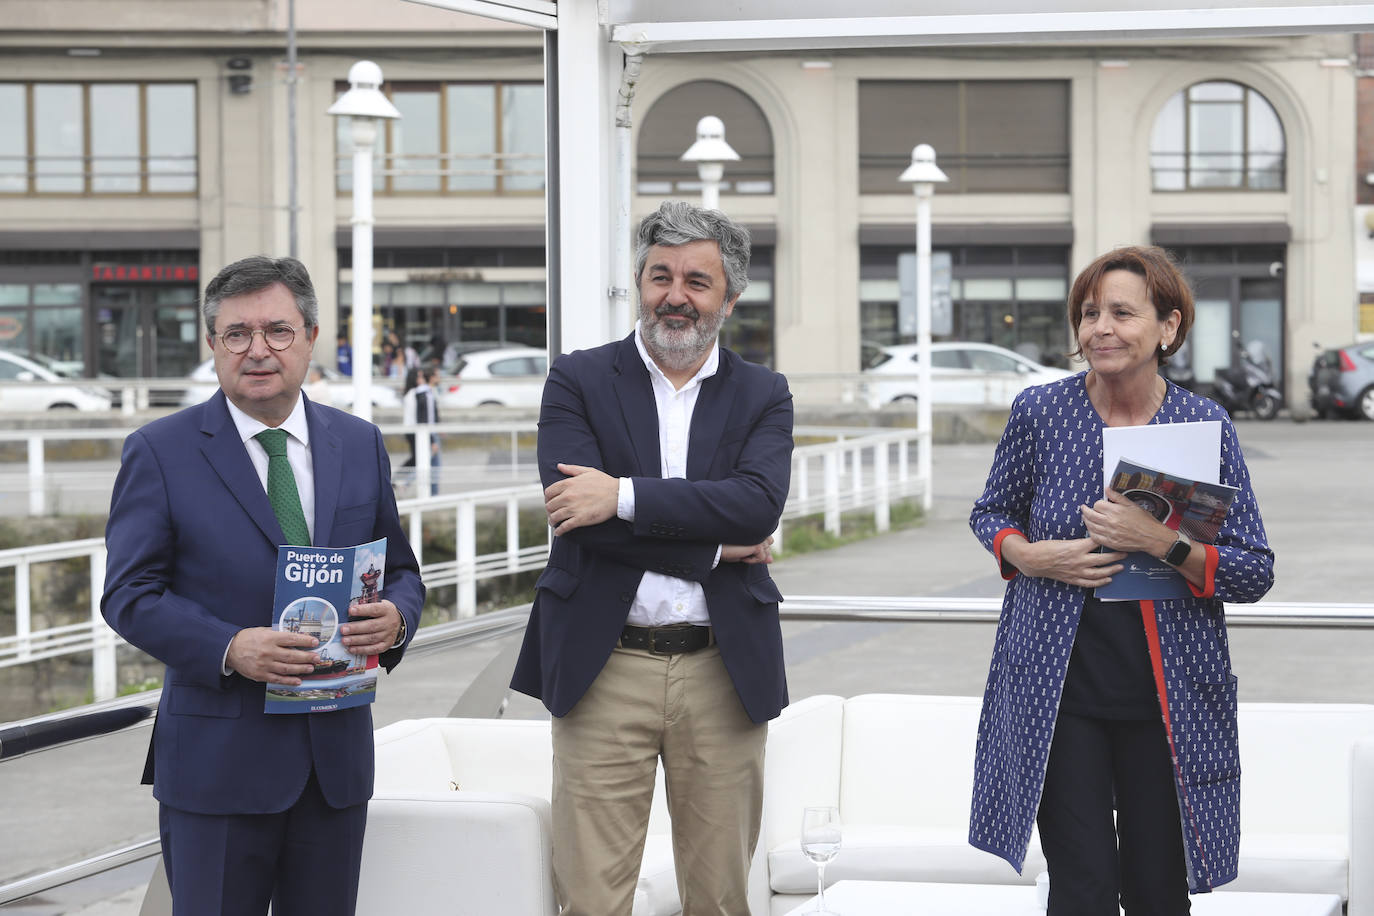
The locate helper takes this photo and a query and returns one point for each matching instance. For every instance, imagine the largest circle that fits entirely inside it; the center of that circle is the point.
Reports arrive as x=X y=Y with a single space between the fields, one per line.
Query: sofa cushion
x=890 y=853
x=658 y=877
x=1293 y=863
x=411 y=757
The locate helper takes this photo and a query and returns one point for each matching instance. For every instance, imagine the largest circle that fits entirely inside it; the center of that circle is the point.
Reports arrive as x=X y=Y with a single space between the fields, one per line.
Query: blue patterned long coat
x=1048 y=463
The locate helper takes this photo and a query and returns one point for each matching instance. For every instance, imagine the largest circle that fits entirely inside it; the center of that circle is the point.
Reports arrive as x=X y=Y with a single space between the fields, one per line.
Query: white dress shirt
x=297 y=452
x=663 y=600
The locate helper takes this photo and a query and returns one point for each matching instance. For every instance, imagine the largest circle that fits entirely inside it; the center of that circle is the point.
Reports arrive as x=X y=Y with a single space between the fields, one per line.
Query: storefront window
x=1215 y=136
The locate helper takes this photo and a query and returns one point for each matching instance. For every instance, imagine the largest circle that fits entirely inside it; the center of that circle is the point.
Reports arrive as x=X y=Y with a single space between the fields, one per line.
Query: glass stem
x=820 y=888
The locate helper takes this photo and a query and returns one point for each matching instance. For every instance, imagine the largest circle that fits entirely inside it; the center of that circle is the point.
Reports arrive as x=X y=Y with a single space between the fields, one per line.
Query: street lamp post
x=363 y=104
x=710 y=153
x=923 y=174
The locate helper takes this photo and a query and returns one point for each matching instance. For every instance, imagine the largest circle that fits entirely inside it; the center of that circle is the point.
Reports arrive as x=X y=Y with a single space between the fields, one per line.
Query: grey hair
x=677 y=222
x=257 y=273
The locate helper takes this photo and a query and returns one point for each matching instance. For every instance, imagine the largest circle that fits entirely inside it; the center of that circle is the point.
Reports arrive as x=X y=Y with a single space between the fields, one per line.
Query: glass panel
x=14 y=333
x=1042 y=288
x=878 y=321
x=523 y=293
x=415 y=140
x=171 y=132
x=1266 y=147
x=668 y=128
x=757 y=291
x=528 y=326
x=472 y=292
x=58 y=140
x=176 y=351
x=118 y=349
x=480 y=323
x=1211 y=337
x=57 y=334
x=471 y=136
x=14 y=294
x=749 y=332
x=1216 y=92
x=879 y=290
x=989 y=288
x=1261 y=319
x=1166 y=146
x=57 y=294
x=417 y=294
x=1042 y=333
x=522 y=134
x=174 y=295
x=1216 y=145
x=14 y=141
x=114 y=138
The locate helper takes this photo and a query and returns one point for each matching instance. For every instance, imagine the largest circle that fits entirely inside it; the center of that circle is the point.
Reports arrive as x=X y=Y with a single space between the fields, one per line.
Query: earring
x=1163 y=346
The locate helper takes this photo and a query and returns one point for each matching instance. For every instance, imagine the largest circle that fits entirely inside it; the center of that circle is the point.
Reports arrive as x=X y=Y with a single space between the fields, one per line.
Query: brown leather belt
x=670 y=640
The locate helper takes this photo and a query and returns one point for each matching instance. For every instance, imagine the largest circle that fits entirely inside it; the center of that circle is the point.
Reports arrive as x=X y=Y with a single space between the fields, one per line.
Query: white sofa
x=459 y=824
x=900 y=769
x=460 y=819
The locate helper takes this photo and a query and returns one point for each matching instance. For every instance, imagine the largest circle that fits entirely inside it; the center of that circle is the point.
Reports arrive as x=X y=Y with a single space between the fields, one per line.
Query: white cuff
x=625 y=503
x=720 y=548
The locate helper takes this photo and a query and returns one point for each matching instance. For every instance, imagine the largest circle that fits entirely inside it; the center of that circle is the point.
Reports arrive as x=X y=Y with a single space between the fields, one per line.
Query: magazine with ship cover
x=1194 y=507
x=316 y=588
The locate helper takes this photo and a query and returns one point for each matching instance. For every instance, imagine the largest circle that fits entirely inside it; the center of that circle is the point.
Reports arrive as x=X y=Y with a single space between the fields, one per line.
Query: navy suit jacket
x=191 y=559
x=598 y=410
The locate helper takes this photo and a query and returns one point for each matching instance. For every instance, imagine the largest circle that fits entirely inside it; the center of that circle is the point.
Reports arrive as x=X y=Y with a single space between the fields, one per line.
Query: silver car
x=1342 y=381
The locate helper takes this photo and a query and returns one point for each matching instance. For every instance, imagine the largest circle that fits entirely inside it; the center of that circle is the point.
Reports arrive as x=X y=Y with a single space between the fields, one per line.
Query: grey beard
x=679 y=350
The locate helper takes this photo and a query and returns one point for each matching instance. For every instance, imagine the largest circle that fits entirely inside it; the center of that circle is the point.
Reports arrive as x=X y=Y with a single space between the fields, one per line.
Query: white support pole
x=466 y=557
x=856 y=482
x=882 y=493
x=23 y=609
x=423 y=472
x=832 y=491
x=364 y=137
x=104 y=674
x=36 y=483
x=417 y=530
x=588 y=74
x=513 y=534
x=803 y=481
x=923 y=411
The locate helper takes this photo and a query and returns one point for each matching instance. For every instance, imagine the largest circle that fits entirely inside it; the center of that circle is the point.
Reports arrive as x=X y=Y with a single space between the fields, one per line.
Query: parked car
x=1342 y=381
x=962 y=372
x=44 y=394
x=505 y=377
x=205 y=382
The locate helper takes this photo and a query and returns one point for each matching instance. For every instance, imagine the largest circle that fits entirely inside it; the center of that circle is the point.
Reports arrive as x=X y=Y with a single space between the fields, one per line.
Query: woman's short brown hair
x=1164 y=284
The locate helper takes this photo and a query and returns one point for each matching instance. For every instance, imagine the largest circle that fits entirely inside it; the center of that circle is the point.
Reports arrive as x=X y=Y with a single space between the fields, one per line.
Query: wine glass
x=820 y=841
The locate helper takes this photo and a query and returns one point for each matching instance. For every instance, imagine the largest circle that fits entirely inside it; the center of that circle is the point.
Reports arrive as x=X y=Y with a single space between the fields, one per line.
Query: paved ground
x=1312 y=483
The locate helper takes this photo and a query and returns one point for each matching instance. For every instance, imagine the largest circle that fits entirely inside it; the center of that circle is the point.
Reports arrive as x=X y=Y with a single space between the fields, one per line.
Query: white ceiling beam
x=1000 y=28
x=541 y=14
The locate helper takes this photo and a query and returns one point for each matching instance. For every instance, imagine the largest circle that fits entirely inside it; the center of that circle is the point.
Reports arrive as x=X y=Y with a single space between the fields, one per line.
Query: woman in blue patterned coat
x=1093 y=707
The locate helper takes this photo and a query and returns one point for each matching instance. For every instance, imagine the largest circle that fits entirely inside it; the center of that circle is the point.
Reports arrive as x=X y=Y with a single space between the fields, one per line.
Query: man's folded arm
x=137 y=601
x=741 y=508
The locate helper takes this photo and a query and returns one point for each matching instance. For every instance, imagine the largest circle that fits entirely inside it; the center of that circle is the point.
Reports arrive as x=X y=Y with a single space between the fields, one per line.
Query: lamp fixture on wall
x=240 y=81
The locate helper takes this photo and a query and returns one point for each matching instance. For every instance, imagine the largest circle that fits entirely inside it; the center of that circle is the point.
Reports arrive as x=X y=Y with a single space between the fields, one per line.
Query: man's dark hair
x=257 y=273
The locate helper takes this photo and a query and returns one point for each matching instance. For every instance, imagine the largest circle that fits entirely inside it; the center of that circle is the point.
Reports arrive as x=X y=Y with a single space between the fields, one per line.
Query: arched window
x=1217 y=135
x=670 y=126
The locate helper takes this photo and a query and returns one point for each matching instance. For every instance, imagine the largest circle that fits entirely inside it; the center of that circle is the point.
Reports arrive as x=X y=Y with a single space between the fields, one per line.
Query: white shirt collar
x=707 y=369
x=295 y=424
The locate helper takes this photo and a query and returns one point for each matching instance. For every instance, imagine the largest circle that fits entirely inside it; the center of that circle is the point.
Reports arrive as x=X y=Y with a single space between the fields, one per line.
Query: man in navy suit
x=253 y=807
x=654 y=633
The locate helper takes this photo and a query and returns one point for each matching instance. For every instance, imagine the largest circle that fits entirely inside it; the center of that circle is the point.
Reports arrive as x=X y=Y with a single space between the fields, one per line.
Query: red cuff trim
x=1209 y=574
x=1008 y=571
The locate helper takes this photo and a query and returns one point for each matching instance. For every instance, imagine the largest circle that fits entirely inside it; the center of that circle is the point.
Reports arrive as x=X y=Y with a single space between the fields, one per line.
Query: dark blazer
x=598 y=410
x=192 y=556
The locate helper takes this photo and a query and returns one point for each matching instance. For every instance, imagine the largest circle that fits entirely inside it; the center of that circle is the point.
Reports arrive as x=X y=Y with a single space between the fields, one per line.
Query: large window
x=989 y=135
x=1217 y=136
x=1011 y=296
x=670 y=126
x=44 y=319
x=98 y=138
x=454 y=138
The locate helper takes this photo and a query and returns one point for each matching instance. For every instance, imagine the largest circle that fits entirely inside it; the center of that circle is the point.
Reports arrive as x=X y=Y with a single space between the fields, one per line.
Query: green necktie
x=281 y=488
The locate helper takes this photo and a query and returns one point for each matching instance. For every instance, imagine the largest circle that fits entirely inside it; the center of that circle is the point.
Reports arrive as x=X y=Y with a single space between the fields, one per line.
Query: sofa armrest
x=457 y=852
x=1361 y=899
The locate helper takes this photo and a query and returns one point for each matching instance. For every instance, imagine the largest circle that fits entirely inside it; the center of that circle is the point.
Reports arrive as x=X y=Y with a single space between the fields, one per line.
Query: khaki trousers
x=605 y=751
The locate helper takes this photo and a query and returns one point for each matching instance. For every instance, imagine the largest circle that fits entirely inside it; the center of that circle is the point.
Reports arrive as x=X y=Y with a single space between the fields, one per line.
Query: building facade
x=155 y=149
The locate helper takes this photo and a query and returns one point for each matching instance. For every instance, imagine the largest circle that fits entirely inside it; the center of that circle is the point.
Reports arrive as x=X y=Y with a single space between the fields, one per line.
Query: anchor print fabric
x=1047 y=464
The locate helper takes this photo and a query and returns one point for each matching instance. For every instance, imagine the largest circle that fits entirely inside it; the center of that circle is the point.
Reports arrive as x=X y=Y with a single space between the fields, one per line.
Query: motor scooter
x=1249 y=384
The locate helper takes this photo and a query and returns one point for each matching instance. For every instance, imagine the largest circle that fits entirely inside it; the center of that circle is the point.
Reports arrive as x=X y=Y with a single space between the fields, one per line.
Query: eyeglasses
x=278 y=337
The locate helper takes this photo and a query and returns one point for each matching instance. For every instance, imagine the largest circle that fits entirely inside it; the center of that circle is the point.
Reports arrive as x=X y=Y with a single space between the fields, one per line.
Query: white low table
x=894 y=898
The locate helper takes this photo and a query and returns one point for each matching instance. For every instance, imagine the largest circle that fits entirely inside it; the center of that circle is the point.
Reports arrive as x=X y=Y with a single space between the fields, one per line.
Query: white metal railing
x=857 y=469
